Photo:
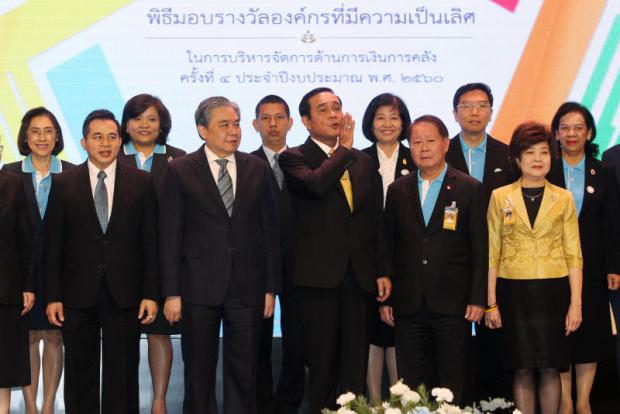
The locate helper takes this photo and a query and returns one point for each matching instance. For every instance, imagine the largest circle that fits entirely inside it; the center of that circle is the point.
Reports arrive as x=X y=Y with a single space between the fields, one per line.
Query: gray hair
x=205 y=109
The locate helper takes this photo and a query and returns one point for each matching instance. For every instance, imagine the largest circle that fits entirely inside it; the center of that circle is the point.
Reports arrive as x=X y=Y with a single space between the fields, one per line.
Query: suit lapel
x=444 y=199
x=242 y=179
x=120 y=186
x=455 y=157
x=402 y=163
x=86 y=194
x=315 y=157
x=489 y=159
x=30 y=195
x=591 y=183
x=550 y=197
x=415 y=200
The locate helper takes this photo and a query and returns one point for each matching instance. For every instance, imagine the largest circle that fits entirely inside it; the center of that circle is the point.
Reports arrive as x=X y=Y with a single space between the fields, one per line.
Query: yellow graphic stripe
x=26 y=32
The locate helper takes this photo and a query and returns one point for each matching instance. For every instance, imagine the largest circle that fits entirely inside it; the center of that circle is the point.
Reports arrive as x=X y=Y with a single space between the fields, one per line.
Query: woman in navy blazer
x=596 y=197
x=40 y=141
x=385 y=124
x=145 y=127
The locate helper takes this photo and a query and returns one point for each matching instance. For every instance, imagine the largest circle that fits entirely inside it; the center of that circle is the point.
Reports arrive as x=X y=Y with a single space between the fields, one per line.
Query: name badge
x=509 y=215
x=450 y=216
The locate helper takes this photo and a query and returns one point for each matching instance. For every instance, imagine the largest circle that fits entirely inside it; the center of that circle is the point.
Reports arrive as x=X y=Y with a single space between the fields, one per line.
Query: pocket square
x=498 y=170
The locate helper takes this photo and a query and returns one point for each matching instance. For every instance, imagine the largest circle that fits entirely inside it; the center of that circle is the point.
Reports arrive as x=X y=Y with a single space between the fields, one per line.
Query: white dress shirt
x=269 y=153
x=231 y=166
x=109 y=181
x=387 y=168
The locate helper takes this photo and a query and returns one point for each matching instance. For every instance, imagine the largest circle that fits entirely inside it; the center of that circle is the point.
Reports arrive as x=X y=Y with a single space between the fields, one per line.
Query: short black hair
x=304 y=104
x=591 y=149
x=140 y=103
x=385 y=99
x=476 y=86
x=525 y=136
x=272 y=99
x=22 y=135
x=98 y=114
x=431 y=119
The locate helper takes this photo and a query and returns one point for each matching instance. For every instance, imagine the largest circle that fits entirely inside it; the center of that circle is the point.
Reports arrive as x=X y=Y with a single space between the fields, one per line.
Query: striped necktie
x=277 y=171
x=101 y=201
x=224 y=185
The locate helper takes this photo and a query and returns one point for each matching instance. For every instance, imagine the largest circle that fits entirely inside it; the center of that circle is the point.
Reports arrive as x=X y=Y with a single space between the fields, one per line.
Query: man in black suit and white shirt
x=101 y=270
x=339 y=261
x=437 y=238
x=273 y=122
x=219 y=258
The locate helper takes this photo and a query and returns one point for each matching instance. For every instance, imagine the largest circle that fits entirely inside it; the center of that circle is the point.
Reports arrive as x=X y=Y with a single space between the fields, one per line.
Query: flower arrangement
x=403 y=400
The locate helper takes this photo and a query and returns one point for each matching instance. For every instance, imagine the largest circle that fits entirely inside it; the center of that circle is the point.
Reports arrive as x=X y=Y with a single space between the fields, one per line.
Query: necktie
x=277 y=171
x=345 y=181
x=101 y=201
x=224 y=185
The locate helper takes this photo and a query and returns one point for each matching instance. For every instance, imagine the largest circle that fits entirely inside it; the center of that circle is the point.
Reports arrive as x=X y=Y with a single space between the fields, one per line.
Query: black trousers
x=433 y=350
x=121 y=355
x=265 y=398
x=336 y=335
x=200 y=343
x=292 y=381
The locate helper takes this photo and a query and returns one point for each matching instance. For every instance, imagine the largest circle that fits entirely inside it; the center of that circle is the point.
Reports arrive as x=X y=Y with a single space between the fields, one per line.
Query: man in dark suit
x=220 y=258
x=474 y=152
x=437 y=242
x=273 y=122
x=100 y=270
x=339 y=261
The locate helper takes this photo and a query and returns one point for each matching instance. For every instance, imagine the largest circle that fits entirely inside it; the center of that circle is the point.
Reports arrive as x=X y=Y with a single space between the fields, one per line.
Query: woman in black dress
x=385 y=124
x=597 y=201
x=40 y=141
x=17 y=286
x=145 y=127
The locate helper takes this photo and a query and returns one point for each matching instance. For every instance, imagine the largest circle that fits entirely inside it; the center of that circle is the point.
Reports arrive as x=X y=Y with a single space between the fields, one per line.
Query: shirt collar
x=326 y=148
x=28 y=167
x=482 y=147
x=580 y=166
x=439 y=178
x=110 y=170
x=211 y=157
x=130 y=149
x=269 y=153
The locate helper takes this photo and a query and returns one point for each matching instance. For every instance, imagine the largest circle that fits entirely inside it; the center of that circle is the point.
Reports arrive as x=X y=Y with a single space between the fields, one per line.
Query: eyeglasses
x=35 y=132
x=470 y=106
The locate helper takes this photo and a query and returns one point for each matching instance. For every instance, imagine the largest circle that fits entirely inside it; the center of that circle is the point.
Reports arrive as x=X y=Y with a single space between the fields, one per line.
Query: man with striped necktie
x=220 y=258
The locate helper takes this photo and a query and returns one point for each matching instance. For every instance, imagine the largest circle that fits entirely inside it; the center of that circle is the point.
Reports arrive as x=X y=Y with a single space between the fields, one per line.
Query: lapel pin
x=590 y=189
x=498 y=170
x=448 y=187
x=593 y=171
x=404 y=171
x=169 y=158
x=554 y=197
x=404 y=161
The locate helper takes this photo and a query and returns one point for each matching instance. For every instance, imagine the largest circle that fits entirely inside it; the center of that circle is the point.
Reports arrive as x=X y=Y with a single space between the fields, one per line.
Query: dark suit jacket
x=445 y=268
x=16 y=242
x=80 y=258
x=599 y=228
x=327 y=235
x=37 y=222
x=286 y=215
x=159 y=168
x=497 y=168
x=403 y=165
x=202 y=249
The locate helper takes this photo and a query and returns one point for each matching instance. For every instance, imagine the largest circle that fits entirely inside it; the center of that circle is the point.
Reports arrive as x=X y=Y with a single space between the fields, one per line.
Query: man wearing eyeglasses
x=485 y=158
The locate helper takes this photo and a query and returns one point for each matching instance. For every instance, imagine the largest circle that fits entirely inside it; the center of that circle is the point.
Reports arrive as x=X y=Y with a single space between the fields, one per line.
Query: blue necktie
x=277 y=171
x=101 y=201
x=224 y=185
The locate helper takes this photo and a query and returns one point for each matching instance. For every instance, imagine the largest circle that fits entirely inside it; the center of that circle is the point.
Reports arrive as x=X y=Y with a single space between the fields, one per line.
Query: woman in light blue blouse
x=40 y=141
x=597 y=201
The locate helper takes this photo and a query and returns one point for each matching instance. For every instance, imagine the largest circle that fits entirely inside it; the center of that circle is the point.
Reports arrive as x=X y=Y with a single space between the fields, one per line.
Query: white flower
x=448 y=409
x=393 y=411
x=442 y=394
x=344 y=410
x=344 y=399
x=516 y=411
x=399 y=388
x=410 y=397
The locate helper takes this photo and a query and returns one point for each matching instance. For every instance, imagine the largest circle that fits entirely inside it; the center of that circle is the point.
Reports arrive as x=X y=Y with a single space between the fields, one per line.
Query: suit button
x=424 y=261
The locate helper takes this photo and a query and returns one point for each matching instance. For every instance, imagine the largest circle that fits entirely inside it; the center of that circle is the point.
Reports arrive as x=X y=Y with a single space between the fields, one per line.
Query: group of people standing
x=381 y=257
